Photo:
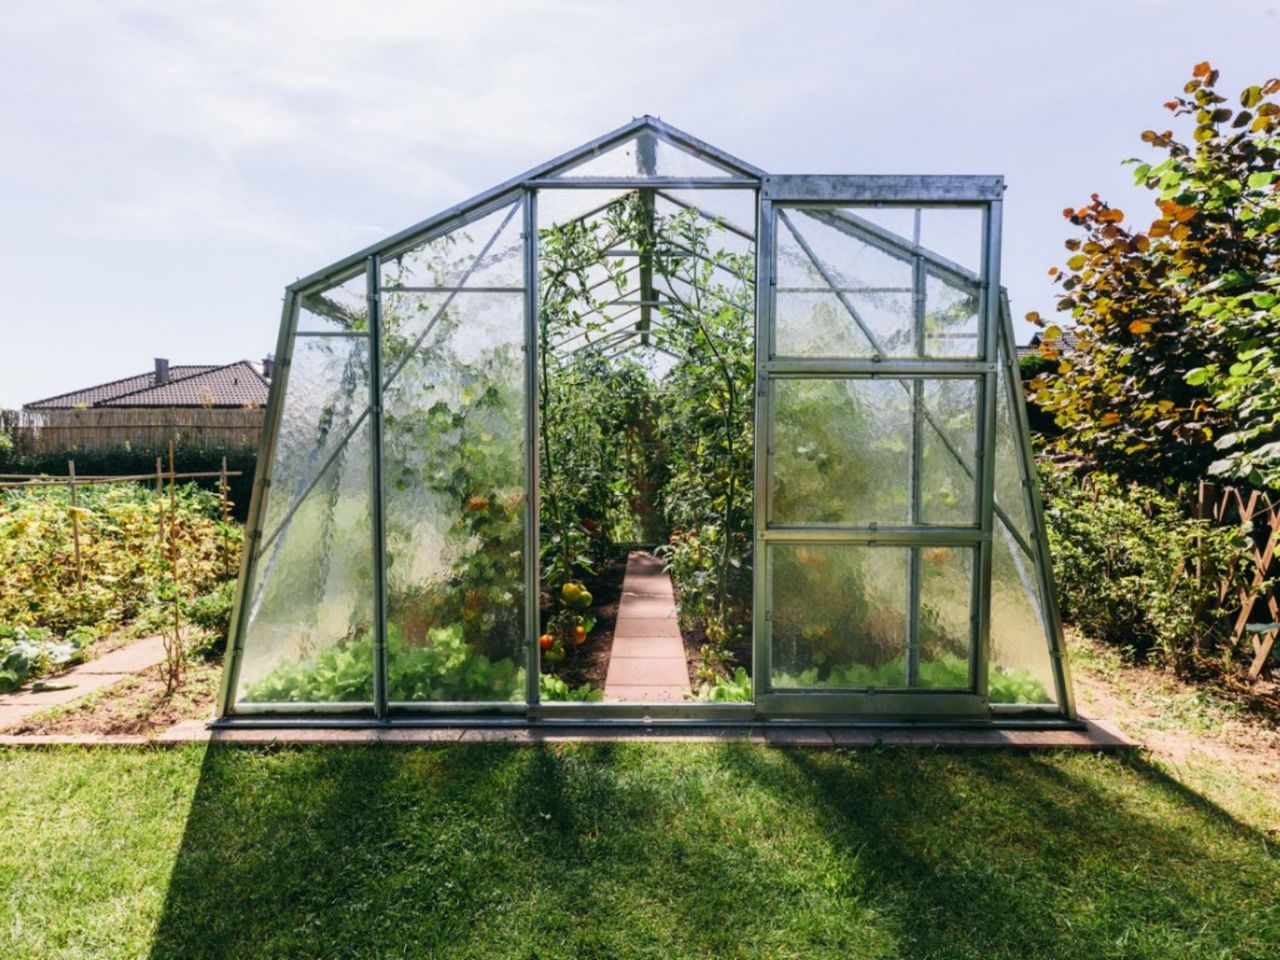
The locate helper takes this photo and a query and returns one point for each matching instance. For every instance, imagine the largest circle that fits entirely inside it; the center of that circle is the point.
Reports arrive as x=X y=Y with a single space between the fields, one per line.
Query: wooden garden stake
x=225 y=507
x=75 y=523
x=174 y=654
x=160 y=504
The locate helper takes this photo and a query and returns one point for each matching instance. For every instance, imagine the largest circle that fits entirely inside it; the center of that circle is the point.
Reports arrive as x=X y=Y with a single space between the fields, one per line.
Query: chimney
x=268 y=365
x=162 y=371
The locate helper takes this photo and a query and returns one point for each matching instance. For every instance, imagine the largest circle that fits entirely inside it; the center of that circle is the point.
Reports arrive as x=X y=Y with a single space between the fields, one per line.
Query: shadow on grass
x=632 y=850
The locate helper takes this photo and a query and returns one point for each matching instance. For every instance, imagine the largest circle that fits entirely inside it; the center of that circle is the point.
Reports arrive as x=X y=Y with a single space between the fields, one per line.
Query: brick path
x=82 y=680
x=648 y=663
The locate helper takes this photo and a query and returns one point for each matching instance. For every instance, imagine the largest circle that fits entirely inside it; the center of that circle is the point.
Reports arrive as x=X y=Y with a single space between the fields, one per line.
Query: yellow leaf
x=1076 y=262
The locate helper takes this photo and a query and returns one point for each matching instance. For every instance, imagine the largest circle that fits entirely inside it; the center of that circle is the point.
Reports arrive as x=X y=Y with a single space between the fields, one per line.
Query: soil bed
x=136 y=705
x=590 y=662
x=694 y=634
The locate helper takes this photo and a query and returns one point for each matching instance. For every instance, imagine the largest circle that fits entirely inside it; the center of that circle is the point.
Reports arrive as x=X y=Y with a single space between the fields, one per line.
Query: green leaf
x=1260 y=179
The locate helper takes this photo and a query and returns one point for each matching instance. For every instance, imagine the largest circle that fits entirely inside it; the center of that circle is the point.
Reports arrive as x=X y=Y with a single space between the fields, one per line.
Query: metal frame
x=826 y=199
x=822 y=198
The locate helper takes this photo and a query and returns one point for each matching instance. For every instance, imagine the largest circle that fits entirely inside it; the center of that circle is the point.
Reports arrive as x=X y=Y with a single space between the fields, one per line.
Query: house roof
x=239 y=384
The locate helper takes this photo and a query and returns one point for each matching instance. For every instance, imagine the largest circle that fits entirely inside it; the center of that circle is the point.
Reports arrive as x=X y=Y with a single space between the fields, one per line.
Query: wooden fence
x=1258 y=517
x=151 y=428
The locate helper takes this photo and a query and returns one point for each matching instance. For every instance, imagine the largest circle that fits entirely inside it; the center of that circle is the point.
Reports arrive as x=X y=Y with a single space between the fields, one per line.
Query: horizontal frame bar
x=814 y=703
x=636 y=183
x=393 y=288
x=878 y=367
x=922 y=535
x=883 y=188
x=710 y=713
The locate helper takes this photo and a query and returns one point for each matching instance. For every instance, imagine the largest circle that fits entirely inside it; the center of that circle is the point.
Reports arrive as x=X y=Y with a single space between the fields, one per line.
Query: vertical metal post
x=257 y=504
x=532 y=485
x=917 y=451
x=987 y=440
x=373 y=284
x=766 y=280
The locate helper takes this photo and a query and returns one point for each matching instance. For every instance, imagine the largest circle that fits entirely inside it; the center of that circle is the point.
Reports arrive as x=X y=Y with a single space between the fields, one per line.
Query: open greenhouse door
x=901 y=564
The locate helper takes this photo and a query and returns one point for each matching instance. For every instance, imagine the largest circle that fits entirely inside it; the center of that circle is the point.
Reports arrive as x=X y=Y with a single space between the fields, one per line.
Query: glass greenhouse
x=797 y=397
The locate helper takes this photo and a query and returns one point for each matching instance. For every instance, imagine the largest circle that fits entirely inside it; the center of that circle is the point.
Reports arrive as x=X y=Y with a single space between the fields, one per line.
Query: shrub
x=212 y=613
x=1125 y=559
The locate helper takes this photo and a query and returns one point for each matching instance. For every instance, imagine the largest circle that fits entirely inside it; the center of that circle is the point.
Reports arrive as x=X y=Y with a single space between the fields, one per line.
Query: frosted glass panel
x=946 y=617
x=836 y=296
x=485 y=253
x=1021 y=671
x=646 y=156
x=1009 y=489
x=839 y=616
x=326 y=394
x=453 y=480
x=310 y=612
x=849 y=280
x=948 y=451
x=841 y=451
x=343 y=308
x=951 y=313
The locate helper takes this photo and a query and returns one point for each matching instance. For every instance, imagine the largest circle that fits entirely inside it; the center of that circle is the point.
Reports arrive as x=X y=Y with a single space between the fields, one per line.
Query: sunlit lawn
x=613 y=851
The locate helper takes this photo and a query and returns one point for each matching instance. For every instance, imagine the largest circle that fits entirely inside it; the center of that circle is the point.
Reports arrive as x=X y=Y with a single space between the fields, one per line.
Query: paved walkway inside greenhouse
x=648 y=663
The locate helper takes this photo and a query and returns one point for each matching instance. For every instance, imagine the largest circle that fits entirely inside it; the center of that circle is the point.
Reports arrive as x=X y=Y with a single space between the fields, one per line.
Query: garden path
x=81 y=680
x=647 y=664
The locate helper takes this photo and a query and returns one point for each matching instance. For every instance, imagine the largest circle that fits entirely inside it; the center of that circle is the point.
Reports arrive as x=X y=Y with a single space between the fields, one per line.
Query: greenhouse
x=649 y=434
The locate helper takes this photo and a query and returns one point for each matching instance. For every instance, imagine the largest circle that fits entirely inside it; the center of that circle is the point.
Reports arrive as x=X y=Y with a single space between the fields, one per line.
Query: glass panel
x=308 y=635
x=453 y=476
x=562 y=206
x=846 y=282
x=485 y=253
x=1021 y=671
x=646 y=155
x=870 y=310
x=327 y=391
x=340 y=309
x=735 y=210
x=950 y=237
x=1009 y=490
x=950 y=318
x=948 y=451
x=946 y=617
x=838 y=616
x=841 y=451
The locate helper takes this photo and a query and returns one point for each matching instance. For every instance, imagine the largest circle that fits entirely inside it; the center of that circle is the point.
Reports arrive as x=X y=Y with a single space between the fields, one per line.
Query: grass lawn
x=621 y=850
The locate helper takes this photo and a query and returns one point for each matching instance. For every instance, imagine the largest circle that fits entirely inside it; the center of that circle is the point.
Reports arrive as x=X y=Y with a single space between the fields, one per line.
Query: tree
x=1160 y=314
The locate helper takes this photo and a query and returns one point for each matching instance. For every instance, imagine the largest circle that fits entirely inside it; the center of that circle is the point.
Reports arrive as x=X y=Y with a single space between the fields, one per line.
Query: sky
x=167 y=168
